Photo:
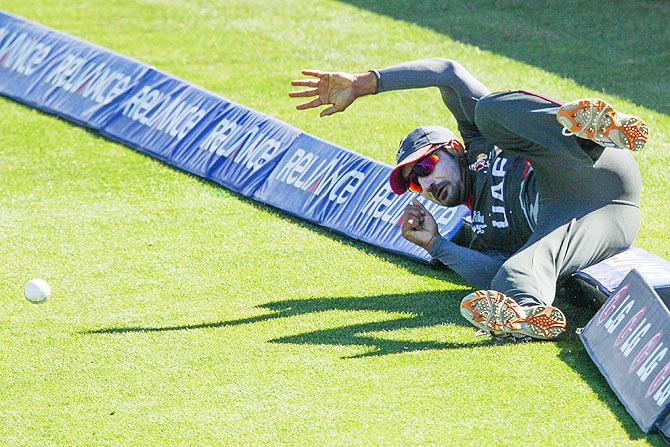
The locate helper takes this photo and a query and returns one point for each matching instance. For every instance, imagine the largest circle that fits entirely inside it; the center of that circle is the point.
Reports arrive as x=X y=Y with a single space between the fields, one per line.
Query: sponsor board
x=207 y=135
x=158 y=114
x=61 y=74
x=314 y=178
x=236 y=147
x=349 y=193
x=609 y=273
x=628 y=339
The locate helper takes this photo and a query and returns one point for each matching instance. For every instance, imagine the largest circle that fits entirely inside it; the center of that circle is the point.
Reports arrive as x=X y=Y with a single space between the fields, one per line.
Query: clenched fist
x=419 y=226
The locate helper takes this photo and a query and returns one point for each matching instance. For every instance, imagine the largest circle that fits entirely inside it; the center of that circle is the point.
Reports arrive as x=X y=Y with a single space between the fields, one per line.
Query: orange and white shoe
x=596 y=120
x=496 y=312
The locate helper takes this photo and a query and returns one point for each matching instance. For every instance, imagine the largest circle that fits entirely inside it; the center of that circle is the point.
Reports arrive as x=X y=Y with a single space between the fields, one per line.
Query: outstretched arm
x=459 y=88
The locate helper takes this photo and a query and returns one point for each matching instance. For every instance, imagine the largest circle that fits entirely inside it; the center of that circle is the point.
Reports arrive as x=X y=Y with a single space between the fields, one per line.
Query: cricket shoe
x=596 y=120
x=496 y=312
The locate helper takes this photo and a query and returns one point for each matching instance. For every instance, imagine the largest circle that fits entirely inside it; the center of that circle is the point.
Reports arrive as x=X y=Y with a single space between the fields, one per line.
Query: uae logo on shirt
x=480 y=163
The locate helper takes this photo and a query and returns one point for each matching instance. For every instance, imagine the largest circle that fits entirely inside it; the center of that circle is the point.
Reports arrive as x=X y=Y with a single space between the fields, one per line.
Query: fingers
x=311 y=104
x=304 y=83
x=314 y=91
x=329 y=111
x=414 y=219
x=310 y=92
x=416 y=207
x=317 y=73
x=418 y=204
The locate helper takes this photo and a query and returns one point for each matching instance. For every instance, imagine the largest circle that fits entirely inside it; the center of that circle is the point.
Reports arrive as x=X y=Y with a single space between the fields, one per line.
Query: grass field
x=184 y=314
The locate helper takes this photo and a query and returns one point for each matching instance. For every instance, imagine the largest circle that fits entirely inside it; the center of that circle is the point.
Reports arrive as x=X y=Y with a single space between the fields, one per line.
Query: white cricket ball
x=37 y=291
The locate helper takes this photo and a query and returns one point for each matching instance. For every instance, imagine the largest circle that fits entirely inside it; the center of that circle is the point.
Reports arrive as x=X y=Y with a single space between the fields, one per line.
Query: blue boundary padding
x=207 y=135
x=609 y=273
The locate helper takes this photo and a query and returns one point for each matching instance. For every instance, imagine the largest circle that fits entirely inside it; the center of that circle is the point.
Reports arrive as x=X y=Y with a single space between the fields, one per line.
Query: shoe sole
x=626 y=132
x=508 y=317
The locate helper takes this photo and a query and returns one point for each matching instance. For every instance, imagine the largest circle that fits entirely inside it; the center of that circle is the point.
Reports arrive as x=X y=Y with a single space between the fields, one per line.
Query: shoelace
x=493 y=310
x=489 y=301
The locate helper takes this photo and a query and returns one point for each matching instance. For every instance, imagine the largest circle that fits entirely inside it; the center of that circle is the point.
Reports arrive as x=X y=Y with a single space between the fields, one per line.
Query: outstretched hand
x=419 y=225
x=336 y=89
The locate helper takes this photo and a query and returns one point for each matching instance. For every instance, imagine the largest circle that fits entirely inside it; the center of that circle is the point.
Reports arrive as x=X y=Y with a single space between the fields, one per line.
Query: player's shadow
x=422 y=309
x=419 y=310
x=621 y=48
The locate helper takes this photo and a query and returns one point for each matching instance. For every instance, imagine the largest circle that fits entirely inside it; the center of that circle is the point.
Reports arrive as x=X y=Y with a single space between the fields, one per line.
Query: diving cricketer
x=552 y=187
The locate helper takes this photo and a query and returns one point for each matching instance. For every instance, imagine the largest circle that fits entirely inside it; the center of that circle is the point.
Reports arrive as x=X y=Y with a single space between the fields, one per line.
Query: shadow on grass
x=576 y=357
x=425 y=310
x=621 y=48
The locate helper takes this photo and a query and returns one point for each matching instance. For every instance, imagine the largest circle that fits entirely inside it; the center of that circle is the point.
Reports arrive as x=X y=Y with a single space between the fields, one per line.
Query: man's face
x=444 y=185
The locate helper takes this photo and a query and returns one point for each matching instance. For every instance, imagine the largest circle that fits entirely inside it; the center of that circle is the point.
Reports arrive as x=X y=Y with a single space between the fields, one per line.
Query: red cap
x=417 y=144
x=399 y=184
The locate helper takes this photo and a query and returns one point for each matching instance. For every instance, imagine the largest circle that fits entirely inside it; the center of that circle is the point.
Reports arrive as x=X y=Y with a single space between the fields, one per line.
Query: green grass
x=183 y=314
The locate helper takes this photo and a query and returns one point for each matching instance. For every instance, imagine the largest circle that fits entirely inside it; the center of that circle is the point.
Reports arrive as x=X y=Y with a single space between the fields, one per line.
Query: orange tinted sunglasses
x=422 y=168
